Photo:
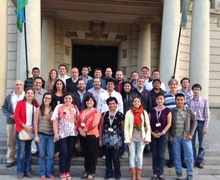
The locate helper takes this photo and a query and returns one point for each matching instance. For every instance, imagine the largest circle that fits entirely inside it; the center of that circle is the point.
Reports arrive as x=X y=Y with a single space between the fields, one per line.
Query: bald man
x=8 y=109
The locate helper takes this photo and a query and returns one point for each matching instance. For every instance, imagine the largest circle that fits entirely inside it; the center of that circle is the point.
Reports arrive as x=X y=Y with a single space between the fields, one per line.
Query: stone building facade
x=145 y=33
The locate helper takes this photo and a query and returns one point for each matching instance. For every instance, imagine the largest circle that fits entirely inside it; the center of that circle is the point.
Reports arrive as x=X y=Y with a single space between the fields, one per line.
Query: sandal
x=20 y=176
x=91 y=176
x=52 y=177
x=29 y=175
x=63 y=176
x=84 y=175
x=43 y=177
x=68 y=176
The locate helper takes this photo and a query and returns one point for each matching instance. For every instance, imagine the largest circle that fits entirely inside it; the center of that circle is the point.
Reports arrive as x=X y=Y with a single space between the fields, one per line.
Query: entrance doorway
x=95 y=57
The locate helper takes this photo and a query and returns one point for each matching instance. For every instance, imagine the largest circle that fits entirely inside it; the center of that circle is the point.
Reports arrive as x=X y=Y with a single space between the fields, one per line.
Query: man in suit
x=71 y=83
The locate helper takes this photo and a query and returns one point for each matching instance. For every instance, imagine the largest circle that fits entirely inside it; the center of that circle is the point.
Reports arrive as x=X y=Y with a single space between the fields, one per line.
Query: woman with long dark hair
x=52 y=77
x=44 y=136
x=88 y=122
x=24 y=117
x=137 y=134
x=64 y=125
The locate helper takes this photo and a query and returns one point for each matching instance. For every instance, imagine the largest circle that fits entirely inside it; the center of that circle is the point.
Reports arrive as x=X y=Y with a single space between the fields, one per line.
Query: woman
x=59 y=90
x=160 y=121
x=137 y=134
x=88 y=121
x=44 y=136
x=52 y=77
x=111 y=128
x=24 y=117
x=64 y=125
x=127 y=96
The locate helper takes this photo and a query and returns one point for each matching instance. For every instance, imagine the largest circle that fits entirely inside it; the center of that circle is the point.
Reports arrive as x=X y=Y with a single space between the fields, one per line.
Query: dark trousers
x=90 y=147
x=66 y=146
x=158 y=146
x=112 y=155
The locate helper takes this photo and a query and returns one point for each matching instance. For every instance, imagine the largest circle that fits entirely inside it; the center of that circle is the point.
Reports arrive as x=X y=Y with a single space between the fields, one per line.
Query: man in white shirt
x=62 y=73
x=110 y=92
x=8 y=109
x=155 y=75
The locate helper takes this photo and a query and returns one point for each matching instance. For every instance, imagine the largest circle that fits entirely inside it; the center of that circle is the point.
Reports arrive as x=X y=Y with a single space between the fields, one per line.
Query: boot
x=133 y=173
x=138 y=173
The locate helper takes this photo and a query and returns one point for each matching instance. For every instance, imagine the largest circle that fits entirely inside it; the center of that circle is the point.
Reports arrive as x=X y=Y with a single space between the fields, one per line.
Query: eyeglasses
x=47 y=98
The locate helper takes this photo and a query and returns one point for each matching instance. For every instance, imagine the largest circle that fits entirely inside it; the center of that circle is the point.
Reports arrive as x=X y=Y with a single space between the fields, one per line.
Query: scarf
x=137 y=117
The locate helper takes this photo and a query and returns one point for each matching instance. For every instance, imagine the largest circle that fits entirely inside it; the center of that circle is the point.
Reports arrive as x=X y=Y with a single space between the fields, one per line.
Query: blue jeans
x=46 y=155
x=136 y=151
x=124 y=145
x=188 y=154
x=198 y=158
x=23 y=156
x=158 y=146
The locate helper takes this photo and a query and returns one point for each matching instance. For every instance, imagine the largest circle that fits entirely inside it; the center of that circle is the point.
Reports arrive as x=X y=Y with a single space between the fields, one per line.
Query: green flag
x=185 y=12
x=20 y=13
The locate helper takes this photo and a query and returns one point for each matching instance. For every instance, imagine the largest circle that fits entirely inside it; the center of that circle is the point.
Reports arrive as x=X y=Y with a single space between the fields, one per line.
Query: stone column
x=199 y=56
x=169 y=38
x=144 y=46
x=33 y=24
x=3 y=48
x=47 y=47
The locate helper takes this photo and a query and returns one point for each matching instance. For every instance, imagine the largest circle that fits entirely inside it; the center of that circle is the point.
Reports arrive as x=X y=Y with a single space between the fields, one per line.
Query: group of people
x=105 y=112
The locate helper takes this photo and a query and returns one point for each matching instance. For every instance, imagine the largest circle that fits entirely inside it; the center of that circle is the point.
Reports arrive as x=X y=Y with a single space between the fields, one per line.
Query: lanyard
x=111 y=119
x=158 y=114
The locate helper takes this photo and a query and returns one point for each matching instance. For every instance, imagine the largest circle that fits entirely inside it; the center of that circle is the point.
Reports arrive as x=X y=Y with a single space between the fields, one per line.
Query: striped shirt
x=188 y=94
x=170 y=100
x=201 y=108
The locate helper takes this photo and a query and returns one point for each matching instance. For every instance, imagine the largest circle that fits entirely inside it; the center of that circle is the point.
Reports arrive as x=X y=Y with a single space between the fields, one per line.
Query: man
x=134 y=79
x=181 y=133
x=29 y=82
x=108 y=75
x=97 y=74
x=96 y=90
x=143 y=94
x=156 y=89
x=119 y=81
x=185 y=83
x=8 y=109
x=200 y=107
x=85 y=74
x=145 y=74
x=39 y=91
x=110 y=92
x=81 y=94
x=155 y=75
x=62 y=73
x=72 y=82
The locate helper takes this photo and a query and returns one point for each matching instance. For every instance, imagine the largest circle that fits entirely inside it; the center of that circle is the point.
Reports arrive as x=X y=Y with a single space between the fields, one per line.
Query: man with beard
x=119 y=81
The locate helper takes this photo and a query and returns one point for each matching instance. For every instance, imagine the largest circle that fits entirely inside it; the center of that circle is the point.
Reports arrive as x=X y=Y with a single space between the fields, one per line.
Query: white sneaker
x=103 y=157
x=124 y=155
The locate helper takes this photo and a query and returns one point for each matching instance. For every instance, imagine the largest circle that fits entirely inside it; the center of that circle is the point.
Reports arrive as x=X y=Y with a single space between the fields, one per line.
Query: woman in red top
x=24 y=120
x=87 y=126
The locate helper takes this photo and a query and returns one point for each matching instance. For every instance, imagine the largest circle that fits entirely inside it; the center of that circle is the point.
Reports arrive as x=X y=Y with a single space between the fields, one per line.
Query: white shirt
x=149 y=86
x=15 y=98
x=96 y=94
x=102 y=105
x=29 y=114
x=63 y=78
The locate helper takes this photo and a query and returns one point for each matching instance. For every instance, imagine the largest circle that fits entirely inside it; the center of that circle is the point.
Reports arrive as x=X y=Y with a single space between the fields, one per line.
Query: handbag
x=23 y=134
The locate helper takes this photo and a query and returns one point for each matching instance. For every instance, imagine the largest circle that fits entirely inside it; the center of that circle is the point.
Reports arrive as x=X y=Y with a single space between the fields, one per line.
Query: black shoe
x=117 y=178
x=170 y=165
x=108 y=177
x=8 y=165
x=184 y=165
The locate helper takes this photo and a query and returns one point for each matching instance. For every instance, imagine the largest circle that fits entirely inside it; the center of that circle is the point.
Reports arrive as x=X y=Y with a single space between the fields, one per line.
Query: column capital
x=48 y=16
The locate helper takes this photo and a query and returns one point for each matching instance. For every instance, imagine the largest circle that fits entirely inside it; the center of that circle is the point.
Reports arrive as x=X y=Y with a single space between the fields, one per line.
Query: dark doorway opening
x=95 y=57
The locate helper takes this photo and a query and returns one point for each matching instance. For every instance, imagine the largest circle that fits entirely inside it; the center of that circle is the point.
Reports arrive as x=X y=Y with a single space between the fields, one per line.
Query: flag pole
x=177 y=51
x=25 y=42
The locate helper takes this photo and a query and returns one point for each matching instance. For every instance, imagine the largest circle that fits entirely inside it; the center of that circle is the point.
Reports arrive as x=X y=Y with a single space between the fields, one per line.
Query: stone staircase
x=212 y=163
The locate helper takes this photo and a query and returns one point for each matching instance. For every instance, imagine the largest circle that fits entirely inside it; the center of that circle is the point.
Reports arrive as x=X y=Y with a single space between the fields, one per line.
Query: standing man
x=96 y=90
x=8 y=109
x=185 y=84
x=39 y=91
x=110 y=92
x=119 y=83
x=134 y=79
x=81 y=94
x=181 y=133
x=108 y=75
x=72 y=82
x=97 y=74
x=29 y=82
x=85 y=74
x=62 y=73
x=145 y=74
x=200 y=107
x=155 y=75
x=143 y=94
